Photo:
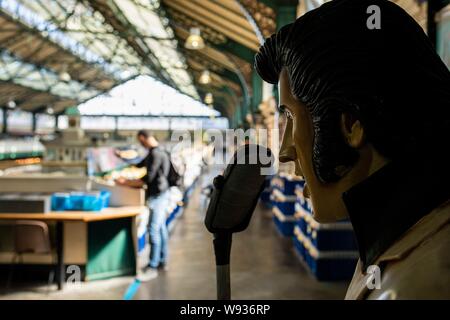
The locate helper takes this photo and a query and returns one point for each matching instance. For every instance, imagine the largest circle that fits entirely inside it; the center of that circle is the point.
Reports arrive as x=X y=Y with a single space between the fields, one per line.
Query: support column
x=5 y=120
x=116 y=127
x=239 y=114
x=34 y=122
x=170 y=131
x=56 y=123
x=243 y=110
x=286 y=14
x=257 y=86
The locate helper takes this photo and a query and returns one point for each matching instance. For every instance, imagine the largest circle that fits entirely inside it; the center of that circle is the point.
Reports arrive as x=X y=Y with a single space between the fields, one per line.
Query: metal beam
x=5 y=120
x=203 y=16
x=26 y=31
x=132 y=38
x=144 y=116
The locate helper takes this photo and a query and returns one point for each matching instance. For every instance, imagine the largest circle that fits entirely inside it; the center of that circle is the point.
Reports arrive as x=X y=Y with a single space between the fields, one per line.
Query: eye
x=282 y=109
x=288 y=114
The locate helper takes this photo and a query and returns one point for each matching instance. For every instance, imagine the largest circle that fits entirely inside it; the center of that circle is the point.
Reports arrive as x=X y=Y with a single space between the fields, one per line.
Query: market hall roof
x=103 y=43
x=43 y=41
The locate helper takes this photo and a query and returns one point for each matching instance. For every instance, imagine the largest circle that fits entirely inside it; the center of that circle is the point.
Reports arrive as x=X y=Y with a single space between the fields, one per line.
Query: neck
x=392 y=199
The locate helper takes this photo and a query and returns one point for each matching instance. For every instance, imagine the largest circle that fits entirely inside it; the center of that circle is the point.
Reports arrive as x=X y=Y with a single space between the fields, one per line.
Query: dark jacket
x=157 y=163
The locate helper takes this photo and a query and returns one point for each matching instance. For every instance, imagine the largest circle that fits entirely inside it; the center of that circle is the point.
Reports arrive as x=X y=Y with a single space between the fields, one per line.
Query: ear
x=352 y=130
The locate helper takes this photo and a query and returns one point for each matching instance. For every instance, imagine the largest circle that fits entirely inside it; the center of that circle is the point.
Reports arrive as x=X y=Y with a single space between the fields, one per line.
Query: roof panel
x=157 y=36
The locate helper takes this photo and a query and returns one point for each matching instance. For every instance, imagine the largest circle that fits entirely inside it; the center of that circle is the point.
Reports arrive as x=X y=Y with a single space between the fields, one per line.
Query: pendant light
x=50 y=110
x=209 y=99
x=11 y=104
x=205 y=77
x=64 y=75
x=194 y=41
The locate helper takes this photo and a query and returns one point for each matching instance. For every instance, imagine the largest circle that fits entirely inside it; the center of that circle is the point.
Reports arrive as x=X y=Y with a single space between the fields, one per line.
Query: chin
x=323 y=218
x=327 y=215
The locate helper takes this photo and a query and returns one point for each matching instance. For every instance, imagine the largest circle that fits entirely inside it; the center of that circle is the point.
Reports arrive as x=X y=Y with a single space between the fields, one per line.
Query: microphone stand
x=222 y=250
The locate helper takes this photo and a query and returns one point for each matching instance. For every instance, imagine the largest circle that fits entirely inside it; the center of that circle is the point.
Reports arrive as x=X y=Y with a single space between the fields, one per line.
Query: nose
x=287 y=154
x=287 y=149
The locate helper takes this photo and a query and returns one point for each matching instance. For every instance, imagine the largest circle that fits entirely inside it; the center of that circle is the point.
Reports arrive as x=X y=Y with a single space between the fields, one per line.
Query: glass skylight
x=78 y=28
x=159 y=37
x=27 y=75
x=145 y=96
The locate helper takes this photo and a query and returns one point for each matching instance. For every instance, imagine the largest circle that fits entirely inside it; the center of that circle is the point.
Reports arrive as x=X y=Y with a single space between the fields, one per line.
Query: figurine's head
x=354 y=97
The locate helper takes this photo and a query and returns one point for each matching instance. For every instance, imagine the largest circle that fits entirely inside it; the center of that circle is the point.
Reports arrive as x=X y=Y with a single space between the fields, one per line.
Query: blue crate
x=290 y=184
x=326 y=236
x=96 y=201
x=325 y=265
x=284 y=223
x=329 y=239
x=303 y=225
x=60 y=201
x=301 y=222
x=329 y=236
x=265 y=197
x=287 y=208
x=286 y=184
x=286 y=204
x=81 y=201
x=332 y=269
x=267 y=182
x=298 y=246
x=267 y=191
x=76 y=201
x=286 y=228
x=277 y=183
x=300 y=199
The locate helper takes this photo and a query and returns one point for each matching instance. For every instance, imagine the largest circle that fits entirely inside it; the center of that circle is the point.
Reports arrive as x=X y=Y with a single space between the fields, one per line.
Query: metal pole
x=60 y=269
x=222 y=250
x=223 y=282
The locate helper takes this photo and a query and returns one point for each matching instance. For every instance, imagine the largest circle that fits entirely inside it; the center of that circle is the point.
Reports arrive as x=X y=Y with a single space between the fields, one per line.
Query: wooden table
x=61 y=216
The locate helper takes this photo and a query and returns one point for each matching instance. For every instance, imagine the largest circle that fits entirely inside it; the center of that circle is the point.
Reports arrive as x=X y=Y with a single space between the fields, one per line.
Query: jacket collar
x=422 y=230
x=384 y=206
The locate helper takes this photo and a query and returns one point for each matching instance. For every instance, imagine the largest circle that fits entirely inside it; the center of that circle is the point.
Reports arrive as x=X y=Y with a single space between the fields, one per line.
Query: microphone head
x=237 y=191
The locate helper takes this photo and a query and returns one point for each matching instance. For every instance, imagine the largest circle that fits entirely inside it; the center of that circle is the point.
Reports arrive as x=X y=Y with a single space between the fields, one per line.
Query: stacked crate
x=329 y=249
x=267 y=191
x=283 y=200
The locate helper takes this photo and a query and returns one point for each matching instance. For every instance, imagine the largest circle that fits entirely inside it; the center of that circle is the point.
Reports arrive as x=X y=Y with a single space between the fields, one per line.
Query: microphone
x=232 y=203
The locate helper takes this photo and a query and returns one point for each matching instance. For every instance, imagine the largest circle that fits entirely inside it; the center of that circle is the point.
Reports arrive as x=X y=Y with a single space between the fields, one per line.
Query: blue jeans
x=159 y=235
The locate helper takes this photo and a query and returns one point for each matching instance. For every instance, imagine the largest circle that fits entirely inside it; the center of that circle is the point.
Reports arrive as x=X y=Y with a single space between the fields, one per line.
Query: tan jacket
x=417 y=266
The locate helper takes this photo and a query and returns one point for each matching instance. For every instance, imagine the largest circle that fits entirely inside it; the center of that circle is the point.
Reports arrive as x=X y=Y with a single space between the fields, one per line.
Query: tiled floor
x=263 y=266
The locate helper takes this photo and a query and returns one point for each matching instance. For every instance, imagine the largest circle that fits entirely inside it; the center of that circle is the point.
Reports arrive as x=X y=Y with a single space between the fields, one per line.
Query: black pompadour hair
x=391 y=79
